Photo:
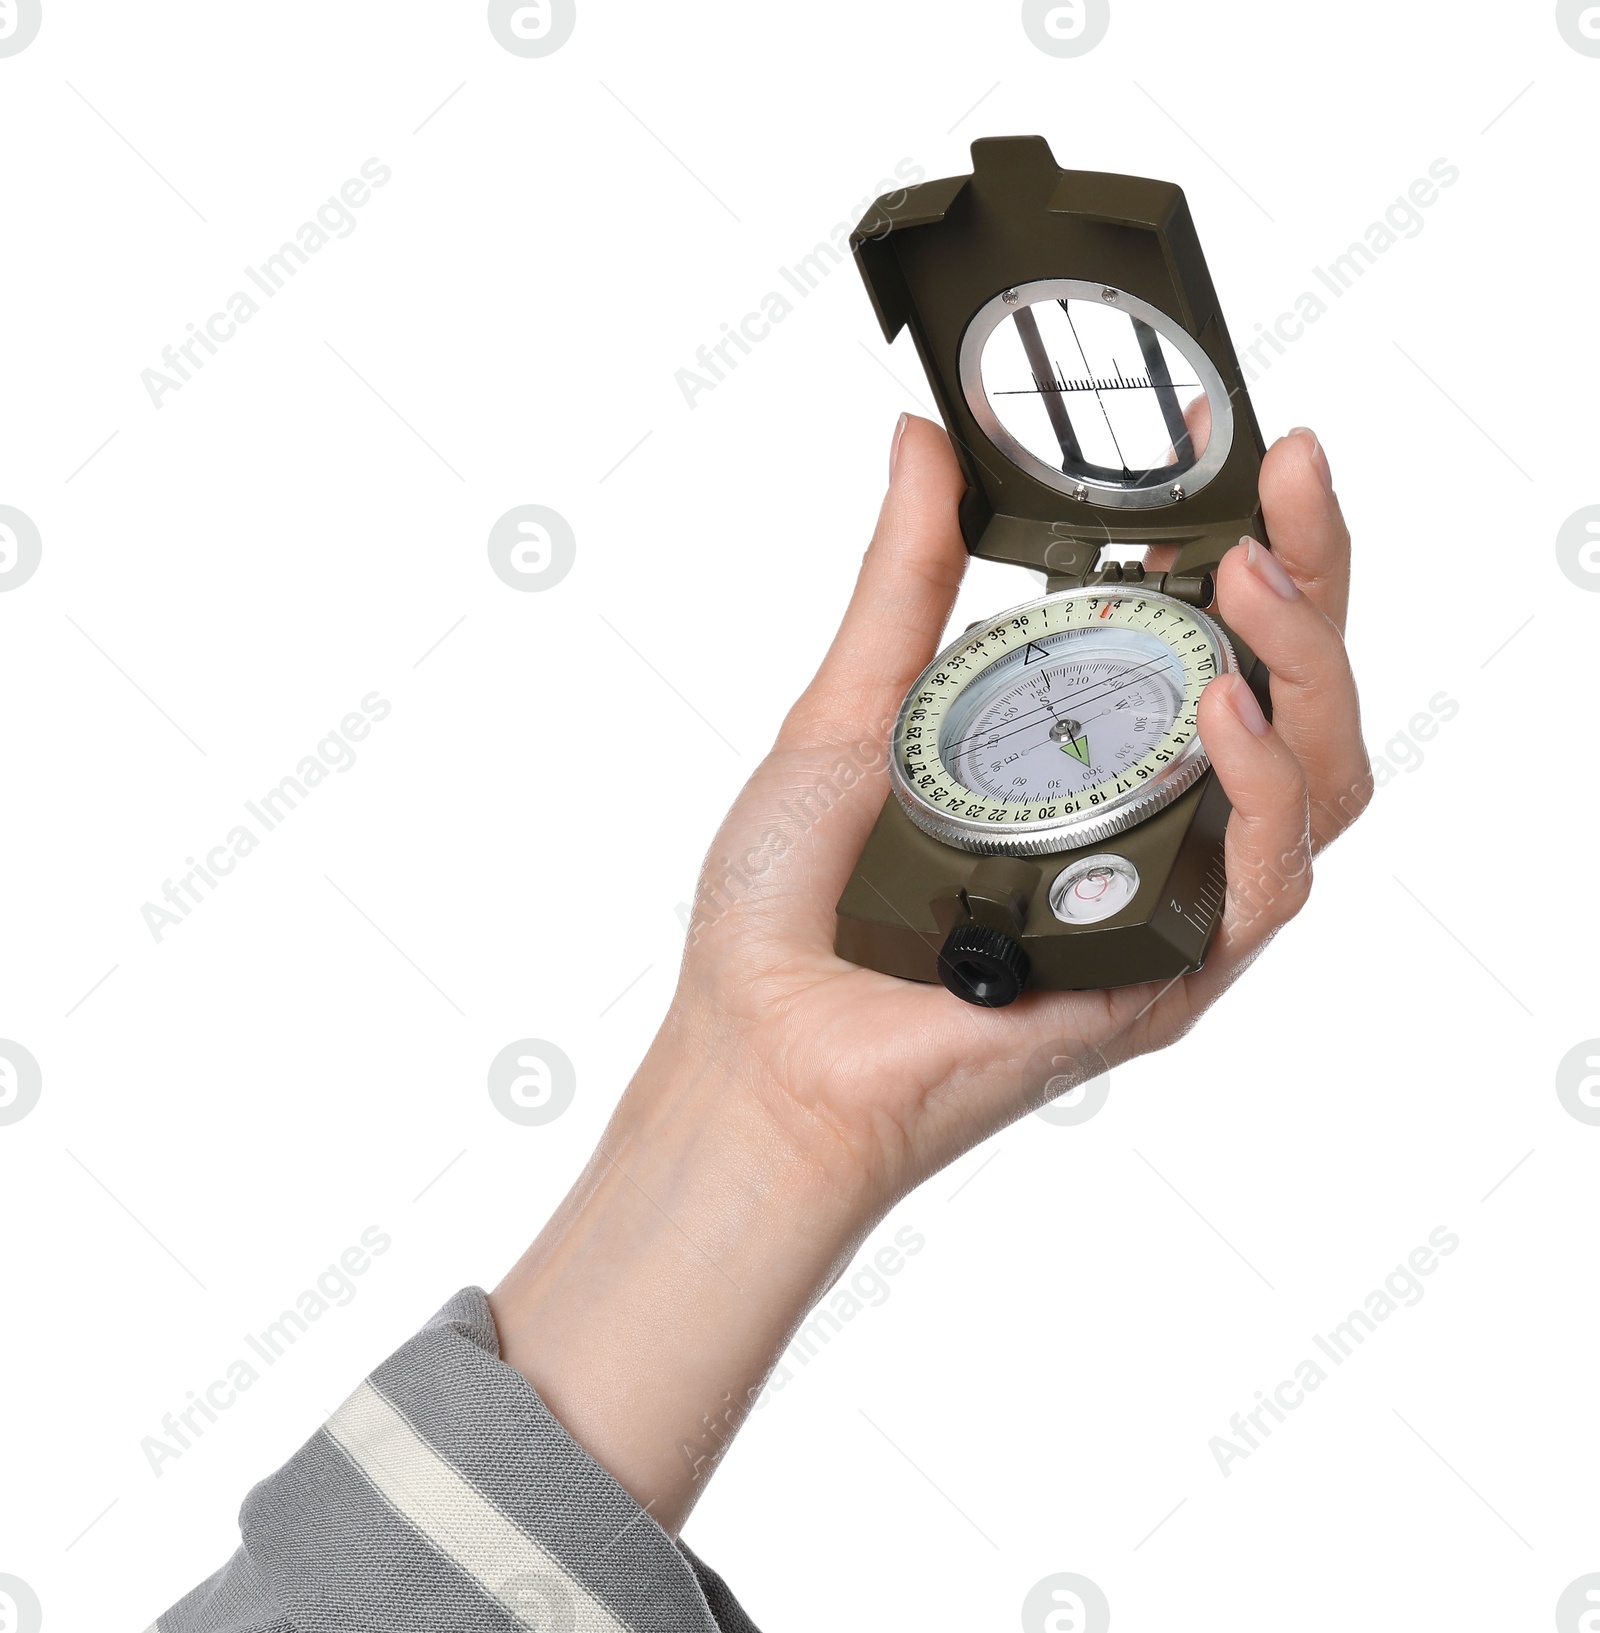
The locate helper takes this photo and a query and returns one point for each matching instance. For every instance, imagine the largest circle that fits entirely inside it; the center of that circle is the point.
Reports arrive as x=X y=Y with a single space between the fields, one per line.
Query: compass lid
x=1071 y=334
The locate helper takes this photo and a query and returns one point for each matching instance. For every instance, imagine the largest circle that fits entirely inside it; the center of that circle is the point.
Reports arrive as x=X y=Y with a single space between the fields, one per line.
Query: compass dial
x=1058 y=723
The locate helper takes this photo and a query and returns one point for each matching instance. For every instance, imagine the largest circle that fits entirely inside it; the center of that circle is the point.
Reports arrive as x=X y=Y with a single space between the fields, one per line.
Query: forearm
x=650 y=1310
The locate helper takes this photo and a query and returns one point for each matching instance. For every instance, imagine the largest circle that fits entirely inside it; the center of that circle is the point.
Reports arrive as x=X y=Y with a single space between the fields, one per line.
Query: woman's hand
x=880 y=1082
x=791 y=1098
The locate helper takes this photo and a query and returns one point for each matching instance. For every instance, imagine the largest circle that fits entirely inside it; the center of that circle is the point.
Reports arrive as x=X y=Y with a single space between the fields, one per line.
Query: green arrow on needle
x=1070 y=738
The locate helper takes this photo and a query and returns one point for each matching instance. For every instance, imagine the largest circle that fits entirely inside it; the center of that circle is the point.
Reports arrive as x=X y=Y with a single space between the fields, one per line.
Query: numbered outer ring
x=994 y=312
x=1081 y=827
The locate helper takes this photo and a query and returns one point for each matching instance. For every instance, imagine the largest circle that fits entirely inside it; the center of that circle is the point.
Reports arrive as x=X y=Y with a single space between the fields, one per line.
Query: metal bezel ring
x=995 y=311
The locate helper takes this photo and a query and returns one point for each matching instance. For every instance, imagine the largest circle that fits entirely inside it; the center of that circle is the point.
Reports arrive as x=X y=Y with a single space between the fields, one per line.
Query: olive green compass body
x=1054 y=822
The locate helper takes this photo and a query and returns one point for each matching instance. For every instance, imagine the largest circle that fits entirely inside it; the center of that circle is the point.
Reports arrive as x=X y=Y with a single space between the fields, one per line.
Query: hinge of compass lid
x=1197 y=589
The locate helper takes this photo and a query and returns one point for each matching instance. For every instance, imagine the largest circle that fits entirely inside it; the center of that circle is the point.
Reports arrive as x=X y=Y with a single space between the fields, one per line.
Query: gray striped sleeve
x=443 y=1497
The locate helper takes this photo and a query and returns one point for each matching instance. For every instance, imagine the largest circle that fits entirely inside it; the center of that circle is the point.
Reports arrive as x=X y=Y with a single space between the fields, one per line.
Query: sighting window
x=1096 y=393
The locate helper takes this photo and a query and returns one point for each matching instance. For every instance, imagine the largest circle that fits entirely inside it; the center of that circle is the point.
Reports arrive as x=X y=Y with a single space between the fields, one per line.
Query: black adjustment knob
x=983 y=967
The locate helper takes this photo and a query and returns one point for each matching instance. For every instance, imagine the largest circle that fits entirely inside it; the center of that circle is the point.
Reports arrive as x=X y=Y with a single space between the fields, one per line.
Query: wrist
x=652 y=1307
x=721 y=1144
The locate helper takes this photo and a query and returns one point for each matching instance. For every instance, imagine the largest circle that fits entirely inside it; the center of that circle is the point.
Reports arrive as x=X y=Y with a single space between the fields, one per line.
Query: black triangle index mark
x=1033 y=653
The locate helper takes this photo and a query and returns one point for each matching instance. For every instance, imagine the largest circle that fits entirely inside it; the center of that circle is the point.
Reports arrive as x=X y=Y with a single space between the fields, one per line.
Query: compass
x=1053 y=820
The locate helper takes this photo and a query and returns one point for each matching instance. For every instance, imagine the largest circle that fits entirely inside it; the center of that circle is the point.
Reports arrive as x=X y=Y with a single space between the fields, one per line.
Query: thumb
x=902 y=598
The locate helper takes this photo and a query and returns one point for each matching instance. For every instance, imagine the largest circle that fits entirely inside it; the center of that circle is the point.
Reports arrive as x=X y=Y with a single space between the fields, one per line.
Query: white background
x=229 y=575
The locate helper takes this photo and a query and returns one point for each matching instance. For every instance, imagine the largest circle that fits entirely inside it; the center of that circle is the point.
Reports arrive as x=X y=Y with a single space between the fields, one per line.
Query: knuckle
x=1270 y=888
x=1312 y=651
x=1333 y=814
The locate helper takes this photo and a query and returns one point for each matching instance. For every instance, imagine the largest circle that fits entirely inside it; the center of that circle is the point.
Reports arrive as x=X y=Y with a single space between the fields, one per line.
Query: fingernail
x=1243 y=703
x=894 y=447
x=1318 y=458
x=1270 y=571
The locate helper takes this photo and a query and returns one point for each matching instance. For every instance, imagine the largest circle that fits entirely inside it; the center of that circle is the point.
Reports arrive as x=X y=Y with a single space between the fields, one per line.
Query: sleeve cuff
x=444 y=1494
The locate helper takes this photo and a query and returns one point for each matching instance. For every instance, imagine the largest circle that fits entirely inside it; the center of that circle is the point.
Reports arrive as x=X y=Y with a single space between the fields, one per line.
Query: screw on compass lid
x=983 y=967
